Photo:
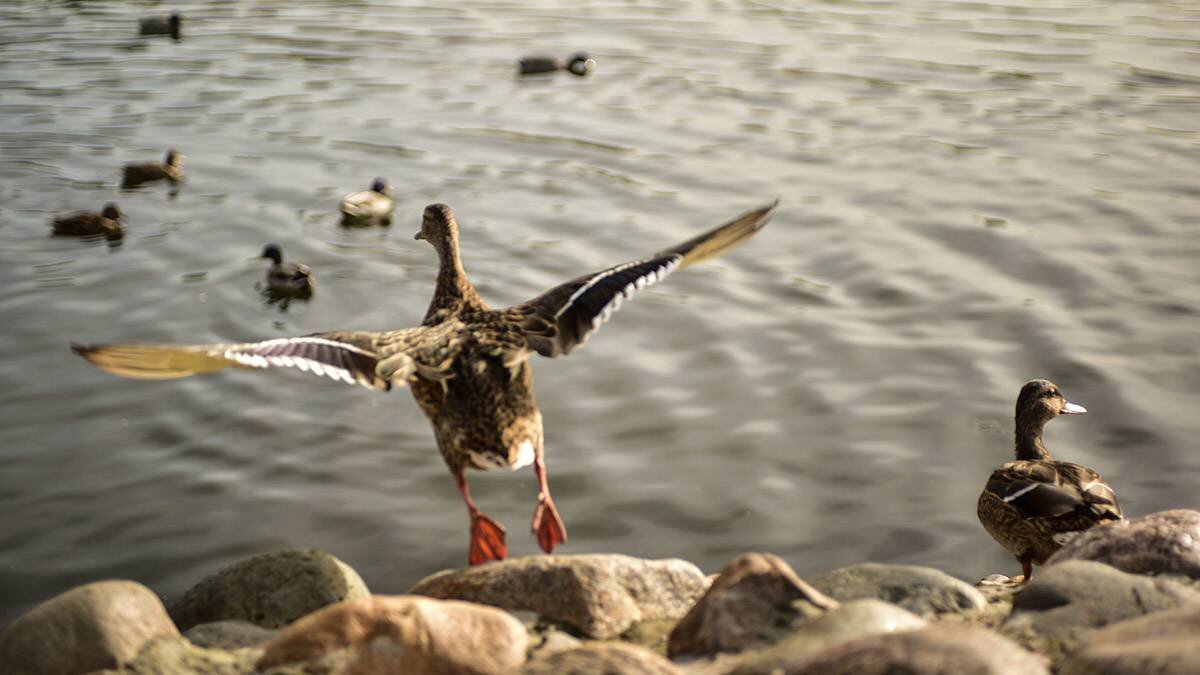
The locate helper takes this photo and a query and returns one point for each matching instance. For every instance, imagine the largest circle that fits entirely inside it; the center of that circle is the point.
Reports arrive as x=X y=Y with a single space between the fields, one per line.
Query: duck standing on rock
x=286 y=278
x=87 y=223
x=369 y=206
x=467 y=364
x=171 y=168
x=579 y=64
x=161 y=25
x=1035 y=504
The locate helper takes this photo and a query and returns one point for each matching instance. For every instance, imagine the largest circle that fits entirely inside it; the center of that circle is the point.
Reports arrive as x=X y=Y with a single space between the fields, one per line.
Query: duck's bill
x=1072 y=409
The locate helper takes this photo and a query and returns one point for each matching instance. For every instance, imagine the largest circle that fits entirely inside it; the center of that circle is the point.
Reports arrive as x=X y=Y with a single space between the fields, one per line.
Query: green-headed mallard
x=86 y=223
x=1033 y=505
x=467 y=364
x=161 y=25
x=287 y=278
x=374 y=205
x=579 y=64
x=171 y=168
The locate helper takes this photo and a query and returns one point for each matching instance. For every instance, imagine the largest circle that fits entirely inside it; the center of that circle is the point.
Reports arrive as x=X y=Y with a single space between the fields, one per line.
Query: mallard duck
x=171 y=168
x=467 y=364
x=1033 y=505
x=85 y=223
x=161 y=25
x=288 y=278
x=579 y=64
x=373 y=205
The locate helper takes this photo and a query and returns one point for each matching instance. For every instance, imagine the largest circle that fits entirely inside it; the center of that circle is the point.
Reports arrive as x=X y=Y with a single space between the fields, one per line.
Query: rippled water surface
x=974 y=194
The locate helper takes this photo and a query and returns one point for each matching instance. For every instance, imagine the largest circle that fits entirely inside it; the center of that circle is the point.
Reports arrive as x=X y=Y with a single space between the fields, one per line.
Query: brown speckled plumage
x=1032 y=505
x=468 y=365
x=171 y=169
x=88 y=223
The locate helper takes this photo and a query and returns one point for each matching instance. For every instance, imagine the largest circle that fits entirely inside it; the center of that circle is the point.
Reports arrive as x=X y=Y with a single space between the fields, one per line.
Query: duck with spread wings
x=467 y=364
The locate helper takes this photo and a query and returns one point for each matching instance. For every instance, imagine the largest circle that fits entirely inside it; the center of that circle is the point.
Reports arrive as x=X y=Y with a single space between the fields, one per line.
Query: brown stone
x=1167 y=542
x=1164 y=643
x=402 y=634
x=93 y=627
x=750 y=601
x=601 y=658
x=598 y=595
x=939 y=650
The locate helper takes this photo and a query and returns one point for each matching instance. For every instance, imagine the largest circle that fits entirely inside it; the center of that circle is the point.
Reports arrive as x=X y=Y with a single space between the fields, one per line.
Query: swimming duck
x=171 y=168
x=161 y=25
x=467 y=364
x=579 y=64
x=374 y=205
x=1035 y=504
x=85 y=223
x=290 y=278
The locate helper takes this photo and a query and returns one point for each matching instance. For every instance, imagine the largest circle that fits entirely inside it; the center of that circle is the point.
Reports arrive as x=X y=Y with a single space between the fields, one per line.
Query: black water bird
x=161 y=25
x=579 y=64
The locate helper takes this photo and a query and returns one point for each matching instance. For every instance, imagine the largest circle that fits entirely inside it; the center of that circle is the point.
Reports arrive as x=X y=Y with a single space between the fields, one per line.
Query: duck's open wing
x=563 y=318
x=374 y=360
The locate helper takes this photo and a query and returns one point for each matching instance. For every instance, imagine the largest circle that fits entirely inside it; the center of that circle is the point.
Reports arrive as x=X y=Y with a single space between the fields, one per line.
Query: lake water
x=974 y=194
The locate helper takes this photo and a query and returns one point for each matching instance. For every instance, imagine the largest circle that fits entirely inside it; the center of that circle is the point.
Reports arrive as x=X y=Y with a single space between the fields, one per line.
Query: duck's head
x=382 y=186
x=438 y=226
x=272 y=252
x=174 y=21
x=112 y=211
x=580 y=64
x=174 y=158
x=1040 y=401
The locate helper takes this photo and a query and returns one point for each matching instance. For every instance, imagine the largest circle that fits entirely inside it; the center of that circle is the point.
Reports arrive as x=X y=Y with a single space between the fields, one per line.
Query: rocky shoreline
x=1123 y=598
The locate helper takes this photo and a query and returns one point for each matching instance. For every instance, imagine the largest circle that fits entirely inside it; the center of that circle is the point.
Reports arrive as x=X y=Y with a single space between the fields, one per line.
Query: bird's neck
x=1029 y=441
x=454 y=293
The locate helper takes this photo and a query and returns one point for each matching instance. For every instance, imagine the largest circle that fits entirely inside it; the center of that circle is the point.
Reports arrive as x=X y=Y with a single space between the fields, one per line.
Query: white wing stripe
x=1018 y=493
x=651 y=277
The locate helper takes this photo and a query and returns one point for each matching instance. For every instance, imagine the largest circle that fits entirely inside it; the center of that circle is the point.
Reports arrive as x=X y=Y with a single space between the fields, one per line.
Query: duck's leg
x=487 y=536
x=547 y=524
x=1026 y=567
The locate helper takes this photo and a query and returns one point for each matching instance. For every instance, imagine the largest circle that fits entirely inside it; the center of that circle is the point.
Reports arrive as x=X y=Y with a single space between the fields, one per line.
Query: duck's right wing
x=369 y=359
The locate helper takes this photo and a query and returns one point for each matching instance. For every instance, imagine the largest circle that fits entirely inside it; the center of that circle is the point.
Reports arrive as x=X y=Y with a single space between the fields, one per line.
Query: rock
x=921 y=590
x=1167 y=542
x=270 y=590
x=171 y=656
x=849 y=621
x=1063 y=602
x=938 y=650
x=100 y=625
x=598 y=595
x=1159 y=644
x=228 y=635
x=402 y=634
x=554 y=641
x=601 y=657
x=749 y=602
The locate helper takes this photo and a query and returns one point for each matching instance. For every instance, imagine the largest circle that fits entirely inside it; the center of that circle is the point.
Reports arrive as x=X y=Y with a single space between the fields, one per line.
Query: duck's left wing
x=351 y=357
x=563 y=318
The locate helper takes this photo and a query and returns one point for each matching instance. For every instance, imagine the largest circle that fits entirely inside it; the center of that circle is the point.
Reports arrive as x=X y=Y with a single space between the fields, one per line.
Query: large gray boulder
x=1067 y=600
x=753 y=598
x=1167 y=542
x=269 y=590
x=93 y=627
x=938 y=650
x=594 y=658
x=601 y=596
x=921 y=590
x=402 y=634
x=1164 y=643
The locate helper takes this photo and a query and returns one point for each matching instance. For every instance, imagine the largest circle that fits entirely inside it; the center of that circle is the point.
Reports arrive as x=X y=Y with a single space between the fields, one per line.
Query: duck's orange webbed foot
x=548 y=525
x=487 y=540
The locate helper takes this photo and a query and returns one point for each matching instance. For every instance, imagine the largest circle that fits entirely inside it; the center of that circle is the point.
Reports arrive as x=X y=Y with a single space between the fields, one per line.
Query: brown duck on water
x=1031 y=506
x=467 y=364
x=171 y=168
x=87 y=223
